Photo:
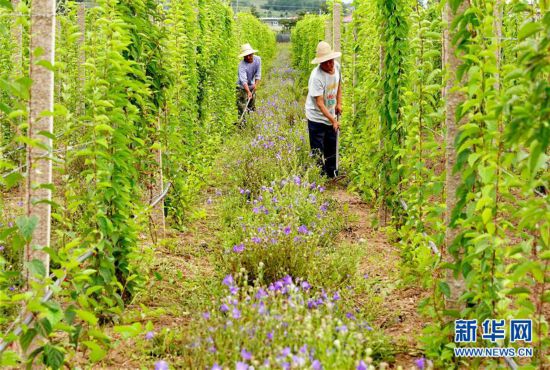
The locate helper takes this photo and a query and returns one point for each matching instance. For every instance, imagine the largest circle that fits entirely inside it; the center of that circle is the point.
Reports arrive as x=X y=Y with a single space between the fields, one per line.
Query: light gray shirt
x=249 y=72
x=325 y=85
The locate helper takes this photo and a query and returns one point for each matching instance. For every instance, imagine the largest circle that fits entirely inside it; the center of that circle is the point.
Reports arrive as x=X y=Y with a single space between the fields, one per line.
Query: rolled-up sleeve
x=259 y=73
x=243 y=79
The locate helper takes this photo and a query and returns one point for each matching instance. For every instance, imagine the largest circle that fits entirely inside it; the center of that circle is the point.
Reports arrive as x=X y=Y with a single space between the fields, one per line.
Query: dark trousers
x=242 y=98
x=322 y=139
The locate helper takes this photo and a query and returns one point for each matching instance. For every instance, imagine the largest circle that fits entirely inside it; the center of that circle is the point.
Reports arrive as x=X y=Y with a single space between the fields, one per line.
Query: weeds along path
x=394 y=301
x=276 y=270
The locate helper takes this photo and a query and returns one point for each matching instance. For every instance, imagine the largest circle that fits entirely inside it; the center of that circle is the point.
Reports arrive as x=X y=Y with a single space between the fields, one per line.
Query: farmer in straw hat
x=323 y=104
x=250 y=74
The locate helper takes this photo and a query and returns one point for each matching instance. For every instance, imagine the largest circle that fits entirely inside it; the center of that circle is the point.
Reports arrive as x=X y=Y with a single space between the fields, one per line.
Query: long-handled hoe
x=245 y=111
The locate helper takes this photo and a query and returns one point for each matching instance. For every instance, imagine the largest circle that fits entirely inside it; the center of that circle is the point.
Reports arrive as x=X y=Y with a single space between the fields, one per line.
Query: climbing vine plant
x=394 y=150
x=133 y=79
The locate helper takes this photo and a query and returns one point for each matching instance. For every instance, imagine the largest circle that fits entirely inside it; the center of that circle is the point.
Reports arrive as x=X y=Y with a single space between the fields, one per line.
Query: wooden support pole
x=157 y=213
x=81 y=16
x=454 y=98
x=337 y=26
x=328 y=31
x=17 y=36
x=39 y=165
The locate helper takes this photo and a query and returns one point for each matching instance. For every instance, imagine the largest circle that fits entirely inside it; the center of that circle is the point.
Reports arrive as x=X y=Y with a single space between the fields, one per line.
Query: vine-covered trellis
x=446 y=123
x=144 y=95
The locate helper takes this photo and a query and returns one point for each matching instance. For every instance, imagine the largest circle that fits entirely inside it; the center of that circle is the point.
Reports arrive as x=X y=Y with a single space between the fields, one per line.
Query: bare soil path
x=397 y=304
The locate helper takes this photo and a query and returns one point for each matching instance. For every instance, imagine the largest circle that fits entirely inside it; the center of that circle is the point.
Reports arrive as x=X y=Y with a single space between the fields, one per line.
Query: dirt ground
x=399 y=317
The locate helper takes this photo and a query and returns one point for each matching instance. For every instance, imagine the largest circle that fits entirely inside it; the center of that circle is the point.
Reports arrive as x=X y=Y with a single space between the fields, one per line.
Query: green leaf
x=6 y=4
x=445 y=289
x=519 y=290
x=529 y=29
x=26 y=226
x=103 y=128
x=13 y=179
x=97 y=353
x=26 y=339
x=129 y=331
x=87 y=316
x=53 y=356
x=37 y=268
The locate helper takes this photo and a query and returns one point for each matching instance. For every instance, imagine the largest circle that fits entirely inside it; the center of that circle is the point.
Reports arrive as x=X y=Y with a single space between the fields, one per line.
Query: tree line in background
x=293 y=5
x=144 y=95
x=446 y=131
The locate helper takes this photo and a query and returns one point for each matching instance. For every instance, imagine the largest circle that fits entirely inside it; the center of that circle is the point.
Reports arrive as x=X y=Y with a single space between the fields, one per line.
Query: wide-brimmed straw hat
x=324 y=53
x=246 y=49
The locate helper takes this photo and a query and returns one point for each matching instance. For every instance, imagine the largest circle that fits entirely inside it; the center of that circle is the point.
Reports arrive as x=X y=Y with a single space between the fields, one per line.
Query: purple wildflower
x=311 y=304
x=362 y=365
x=342 y=329
x=303 y=229
x=209 y=201
x=297 y=180
x=316 y=365
x=299 y=361
x=336 y=296
x=420 y=363
x=287 y=230
x=256 y=240
x=256 y=210
x=150 y=335
x=285 y=352
x=236 y=313
x=212 y=349
x=287 y=280
x=238 y=248
x=233 y=290
x=247 y=356
x=206 y=315
x=1 y=248
x=241 y=366
x=11 y=288
x=228 y=280
x=161 y=365
x=324 y=207
x=262 y=310
x=216 y=367
x=305 y=285
x=303 y=349
x=224 y=308
x=261 y=293
x=270 y=335
x=350 y=316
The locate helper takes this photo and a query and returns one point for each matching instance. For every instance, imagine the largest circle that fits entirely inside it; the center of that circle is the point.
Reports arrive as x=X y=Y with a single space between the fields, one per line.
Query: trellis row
x=142 y=95
x=477 y=190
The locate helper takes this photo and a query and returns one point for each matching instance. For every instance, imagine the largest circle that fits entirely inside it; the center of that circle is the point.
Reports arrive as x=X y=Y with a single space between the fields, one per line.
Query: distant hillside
x=279 y=8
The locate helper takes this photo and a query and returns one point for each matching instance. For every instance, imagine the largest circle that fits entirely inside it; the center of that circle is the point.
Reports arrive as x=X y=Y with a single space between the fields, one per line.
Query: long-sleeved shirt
x=249 y=72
